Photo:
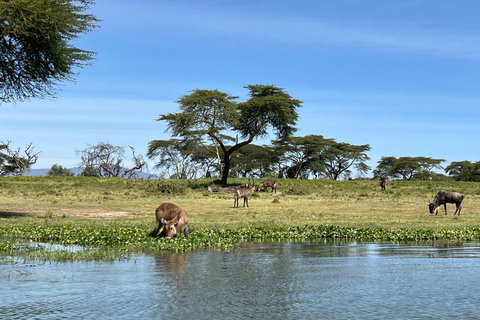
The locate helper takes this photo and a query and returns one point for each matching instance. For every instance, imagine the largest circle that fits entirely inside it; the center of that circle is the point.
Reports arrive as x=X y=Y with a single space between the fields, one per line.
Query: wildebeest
x=383 y=182
x=173 y=219
x=444 y=197
x=243 y=192
x=269 y=183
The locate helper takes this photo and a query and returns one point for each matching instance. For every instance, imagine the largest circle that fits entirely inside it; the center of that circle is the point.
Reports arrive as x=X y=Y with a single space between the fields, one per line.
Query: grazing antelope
x=383 y=182
x=267 y=184
x=172 y=218
x=444 y=197
x=243 y=192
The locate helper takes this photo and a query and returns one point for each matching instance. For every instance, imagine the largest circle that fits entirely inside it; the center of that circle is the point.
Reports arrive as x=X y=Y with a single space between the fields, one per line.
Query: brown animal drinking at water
x=268 y=184
x=173 y=219
x=243 y=192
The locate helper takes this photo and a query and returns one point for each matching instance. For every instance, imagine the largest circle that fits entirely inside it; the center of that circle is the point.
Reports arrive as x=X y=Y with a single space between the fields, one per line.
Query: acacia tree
x=298 y=155
x=386 y=167
x=339 y=157
x=407 y=167
x=36 y=51
x=464 y=170
x=213 y=117
x=320 y=157
x=108 y=159
x=14 y=161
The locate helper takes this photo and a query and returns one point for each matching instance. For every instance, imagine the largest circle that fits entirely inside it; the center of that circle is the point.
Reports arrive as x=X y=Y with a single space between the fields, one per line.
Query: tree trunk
x=226 y=169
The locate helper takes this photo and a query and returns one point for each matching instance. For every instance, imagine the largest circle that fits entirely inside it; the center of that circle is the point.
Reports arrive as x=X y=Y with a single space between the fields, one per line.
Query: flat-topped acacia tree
x=214 y=116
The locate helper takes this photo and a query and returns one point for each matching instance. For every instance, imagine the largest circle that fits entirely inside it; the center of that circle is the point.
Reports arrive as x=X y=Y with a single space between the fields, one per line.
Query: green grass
x=113 y=217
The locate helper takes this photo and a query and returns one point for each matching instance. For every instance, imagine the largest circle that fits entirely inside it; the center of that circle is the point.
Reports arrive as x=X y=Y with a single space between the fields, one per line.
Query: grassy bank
x=120 y=213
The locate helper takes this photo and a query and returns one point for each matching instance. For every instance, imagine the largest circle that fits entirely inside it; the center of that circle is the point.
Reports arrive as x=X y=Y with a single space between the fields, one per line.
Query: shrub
x=58 y=170
x=89 y=171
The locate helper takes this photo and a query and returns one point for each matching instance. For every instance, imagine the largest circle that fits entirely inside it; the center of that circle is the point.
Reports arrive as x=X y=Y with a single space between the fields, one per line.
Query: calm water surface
x=254 y=281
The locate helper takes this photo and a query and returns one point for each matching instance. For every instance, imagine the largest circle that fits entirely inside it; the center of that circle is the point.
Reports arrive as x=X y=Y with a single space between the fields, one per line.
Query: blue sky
x=401 y=76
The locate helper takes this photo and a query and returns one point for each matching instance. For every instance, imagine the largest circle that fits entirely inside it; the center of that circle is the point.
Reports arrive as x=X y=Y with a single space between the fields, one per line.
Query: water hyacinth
x=8 y=247
x=120 y=242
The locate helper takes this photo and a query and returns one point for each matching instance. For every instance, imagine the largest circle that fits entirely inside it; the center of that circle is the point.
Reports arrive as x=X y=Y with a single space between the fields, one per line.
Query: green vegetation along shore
x=112 y=218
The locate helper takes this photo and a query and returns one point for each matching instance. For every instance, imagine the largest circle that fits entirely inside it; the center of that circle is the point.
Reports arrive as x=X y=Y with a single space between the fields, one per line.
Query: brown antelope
x=243 y=192
x=267 y=184
x=172 y=218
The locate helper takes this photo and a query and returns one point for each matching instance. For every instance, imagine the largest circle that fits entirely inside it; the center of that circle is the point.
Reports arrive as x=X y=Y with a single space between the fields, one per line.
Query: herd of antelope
x=173 y=219
x=246 y=191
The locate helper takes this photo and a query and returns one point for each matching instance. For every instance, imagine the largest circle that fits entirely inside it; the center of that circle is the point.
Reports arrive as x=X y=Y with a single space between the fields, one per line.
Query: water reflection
x=310 y=280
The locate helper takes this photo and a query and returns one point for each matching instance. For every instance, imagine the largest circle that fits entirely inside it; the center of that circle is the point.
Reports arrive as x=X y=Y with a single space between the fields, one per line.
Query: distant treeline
x=310 y=157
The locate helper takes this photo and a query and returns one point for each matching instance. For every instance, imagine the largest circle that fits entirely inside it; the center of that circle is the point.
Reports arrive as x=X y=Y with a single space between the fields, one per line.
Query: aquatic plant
x=8 y=247
x=120 y=242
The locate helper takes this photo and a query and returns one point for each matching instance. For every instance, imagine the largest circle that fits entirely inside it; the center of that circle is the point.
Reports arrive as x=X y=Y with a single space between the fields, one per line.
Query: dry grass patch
x=357 y=204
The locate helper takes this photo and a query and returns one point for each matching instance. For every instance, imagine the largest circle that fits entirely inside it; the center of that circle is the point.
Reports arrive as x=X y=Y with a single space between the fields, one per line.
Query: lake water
x=321 y=280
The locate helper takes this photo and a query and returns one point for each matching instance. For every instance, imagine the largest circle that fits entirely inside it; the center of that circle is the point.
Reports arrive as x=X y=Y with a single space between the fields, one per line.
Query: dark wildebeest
x=243 y=192
x=267 y=184
x=444 y=197
x=383 y=182
x=172 y=218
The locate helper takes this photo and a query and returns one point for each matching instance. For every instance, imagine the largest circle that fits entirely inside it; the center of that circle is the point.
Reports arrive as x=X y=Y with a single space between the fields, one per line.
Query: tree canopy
x=253 y=160
x=464 y=170
x=299 y=155
x=407 y=167
x=36 y=51
x=214 y=117
x=292 y=157
x=339 y=157
x=322 y=157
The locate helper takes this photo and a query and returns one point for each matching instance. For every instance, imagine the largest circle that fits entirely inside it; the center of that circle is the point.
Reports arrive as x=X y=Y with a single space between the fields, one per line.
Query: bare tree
x=176 y=157
x=108 y=159
x=16 y=162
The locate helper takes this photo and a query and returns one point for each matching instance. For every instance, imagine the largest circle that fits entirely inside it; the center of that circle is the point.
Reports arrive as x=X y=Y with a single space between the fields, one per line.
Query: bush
x=89 y=171
x=58 y=170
